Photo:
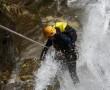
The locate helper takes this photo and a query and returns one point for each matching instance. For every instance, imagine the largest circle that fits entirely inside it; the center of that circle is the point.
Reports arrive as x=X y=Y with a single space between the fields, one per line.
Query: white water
x=93 y=64
x=95 y=52
x=47 y=71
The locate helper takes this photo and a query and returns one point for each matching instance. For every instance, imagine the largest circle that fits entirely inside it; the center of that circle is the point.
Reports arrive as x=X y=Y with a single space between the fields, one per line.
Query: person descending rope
x=63 y=37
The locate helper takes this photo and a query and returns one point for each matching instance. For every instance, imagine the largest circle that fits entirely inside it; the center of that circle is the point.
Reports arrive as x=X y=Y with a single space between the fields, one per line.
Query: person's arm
x=45 y=49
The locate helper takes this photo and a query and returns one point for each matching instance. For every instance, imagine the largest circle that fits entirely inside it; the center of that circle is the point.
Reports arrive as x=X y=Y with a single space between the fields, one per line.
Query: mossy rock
x=27 y=69
x=5 y=73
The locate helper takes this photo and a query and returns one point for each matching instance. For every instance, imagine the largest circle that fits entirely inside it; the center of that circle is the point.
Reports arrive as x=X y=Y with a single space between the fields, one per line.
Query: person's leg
x=71 y=58
x=73 y=73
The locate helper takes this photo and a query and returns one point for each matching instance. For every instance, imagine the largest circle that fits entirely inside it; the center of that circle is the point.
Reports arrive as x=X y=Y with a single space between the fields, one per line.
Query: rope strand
x=27 y=38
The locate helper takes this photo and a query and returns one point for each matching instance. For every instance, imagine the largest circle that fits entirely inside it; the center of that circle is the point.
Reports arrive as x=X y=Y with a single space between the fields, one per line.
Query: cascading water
x=95 y=47
x=93 y=65
x=47 y=71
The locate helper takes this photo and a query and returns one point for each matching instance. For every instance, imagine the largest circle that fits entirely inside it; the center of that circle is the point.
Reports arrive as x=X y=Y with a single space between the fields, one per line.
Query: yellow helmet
x=49 y=31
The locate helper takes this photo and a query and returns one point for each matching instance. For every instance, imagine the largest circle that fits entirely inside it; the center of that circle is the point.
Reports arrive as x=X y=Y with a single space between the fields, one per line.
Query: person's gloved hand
x=42 y=58
x=43 y=54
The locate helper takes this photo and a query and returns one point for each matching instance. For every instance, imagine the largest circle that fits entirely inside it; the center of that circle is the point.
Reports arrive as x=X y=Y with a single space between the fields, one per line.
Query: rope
x=29 y=39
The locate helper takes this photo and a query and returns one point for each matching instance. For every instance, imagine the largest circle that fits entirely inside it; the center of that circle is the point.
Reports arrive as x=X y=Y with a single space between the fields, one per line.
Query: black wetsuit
x=65 y=41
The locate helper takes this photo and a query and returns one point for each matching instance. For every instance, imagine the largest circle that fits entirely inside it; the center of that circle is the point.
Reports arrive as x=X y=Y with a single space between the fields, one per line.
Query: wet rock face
x=27 y=69
x=7 y=51
x=26 y=74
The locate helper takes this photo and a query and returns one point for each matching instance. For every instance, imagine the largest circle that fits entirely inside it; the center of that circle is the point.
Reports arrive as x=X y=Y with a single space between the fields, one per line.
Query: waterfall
x=94 y=52
x=93 y=66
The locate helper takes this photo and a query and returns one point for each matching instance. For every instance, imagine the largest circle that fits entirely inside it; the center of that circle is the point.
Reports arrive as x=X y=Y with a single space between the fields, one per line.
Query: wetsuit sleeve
x=45 y=49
